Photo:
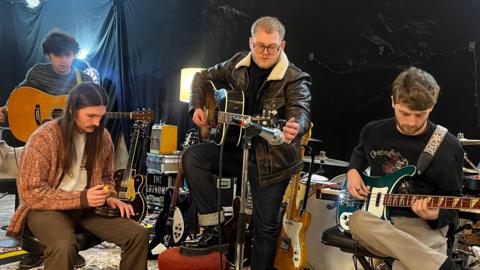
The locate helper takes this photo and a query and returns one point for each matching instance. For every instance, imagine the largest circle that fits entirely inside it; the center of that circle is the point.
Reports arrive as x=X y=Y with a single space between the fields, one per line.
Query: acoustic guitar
x=29 y=108
x=224 y=110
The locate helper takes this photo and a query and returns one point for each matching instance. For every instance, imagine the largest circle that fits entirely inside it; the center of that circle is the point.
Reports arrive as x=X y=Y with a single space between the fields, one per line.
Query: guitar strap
x=78 y=76
x=431 y=148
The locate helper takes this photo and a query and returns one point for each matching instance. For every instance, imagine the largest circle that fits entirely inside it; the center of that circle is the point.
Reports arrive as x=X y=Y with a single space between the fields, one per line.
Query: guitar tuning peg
x=274 y=112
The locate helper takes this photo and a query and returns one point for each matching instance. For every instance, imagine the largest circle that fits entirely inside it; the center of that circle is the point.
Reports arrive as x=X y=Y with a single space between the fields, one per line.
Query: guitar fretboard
x=225 y=117
x=406 y=200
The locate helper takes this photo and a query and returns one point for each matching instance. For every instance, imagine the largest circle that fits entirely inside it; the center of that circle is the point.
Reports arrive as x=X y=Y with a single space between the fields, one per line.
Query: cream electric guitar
x=291 y=250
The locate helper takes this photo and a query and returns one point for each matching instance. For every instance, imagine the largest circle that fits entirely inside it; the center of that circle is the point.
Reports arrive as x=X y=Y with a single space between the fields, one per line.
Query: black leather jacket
x=287 y=90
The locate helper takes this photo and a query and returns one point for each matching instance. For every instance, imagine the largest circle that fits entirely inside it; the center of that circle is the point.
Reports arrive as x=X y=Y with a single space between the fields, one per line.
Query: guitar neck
x=225 y=117
x=448 y=202
x=178 y=182
x=118 y=115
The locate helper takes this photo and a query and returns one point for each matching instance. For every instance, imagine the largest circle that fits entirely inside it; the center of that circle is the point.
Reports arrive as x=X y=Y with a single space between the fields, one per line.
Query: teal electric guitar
x=383 y=195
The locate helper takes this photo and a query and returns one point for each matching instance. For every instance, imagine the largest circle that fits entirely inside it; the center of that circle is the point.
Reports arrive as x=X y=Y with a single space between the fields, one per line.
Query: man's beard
x=410 y=130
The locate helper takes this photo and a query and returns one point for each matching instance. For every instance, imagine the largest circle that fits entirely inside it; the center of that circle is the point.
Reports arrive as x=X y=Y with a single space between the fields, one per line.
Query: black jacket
x=286 y=90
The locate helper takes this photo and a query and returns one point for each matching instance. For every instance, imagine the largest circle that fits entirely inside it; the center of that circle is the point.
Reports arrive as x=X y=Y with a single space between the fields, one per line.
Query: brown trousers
x=410 y=241
x=56 y=230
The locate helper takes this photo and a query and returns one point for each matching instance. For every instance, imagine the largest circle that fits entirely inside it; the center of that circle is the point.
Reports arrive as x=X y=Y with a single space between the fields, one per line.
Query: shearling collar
x=278 y=70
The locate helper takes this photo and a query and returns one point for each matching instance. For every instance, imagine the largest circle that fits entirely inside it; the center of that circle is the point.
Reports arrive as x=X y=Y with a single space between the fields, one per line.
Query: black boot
x=207 y=242
x=31 y=260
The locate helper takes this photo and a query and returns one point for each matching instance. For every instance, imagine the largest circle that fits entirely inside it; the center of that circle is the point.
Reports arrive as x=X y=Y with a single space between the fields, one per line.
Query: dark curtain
x=352 y=49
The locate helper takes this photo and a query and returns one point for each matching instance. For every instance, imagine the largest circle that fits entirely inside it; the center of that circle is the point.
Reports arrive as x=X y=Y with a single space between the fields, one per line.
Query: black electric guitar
x=130 y=186
x=171 y=228
x=383 y=196
x=223 y=107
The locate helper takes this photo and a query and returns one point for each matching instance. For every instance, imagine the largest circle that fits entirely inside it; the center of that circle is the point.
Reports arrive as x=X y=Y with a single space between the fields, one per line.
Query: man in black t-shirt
x=388 y=145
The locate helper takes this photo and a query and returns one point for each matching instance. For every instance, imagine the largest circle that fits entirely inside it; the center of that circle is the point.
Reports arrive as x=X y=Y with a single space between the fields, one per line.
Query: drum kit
x=466 y=250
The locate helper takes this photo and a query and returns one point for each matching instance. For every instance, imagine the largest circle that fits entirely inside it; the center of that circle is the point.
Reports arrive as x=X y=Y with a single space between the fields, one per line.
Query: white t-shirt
x=76 y=179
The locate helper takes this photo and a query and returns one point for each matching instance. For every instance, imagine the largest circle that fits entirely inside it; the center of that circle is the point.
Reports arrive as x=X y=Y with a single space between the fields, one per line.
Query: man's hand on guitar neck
x=421 y=209
x=355 y=185
x=3 y=114
x=199 y=118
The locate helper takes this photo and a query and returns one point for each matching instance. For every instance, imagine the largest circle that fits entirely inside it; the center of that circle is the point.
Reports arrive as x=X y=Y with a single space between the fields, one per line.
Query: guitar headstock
x=142 y=114
x=191 y=138
x=268 y=119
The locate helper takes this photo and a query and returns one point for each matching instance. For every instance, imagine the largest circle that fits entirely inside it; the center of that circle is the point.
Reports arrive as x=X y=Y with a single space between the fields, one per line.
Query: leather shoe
x=79 y=261
x=30 y=260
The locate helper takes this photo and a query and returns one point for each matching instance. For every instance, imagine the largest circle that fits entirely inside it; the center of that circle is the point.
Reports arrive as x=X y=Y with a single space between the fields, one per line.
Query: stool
x=171 y=259
x=344 y=241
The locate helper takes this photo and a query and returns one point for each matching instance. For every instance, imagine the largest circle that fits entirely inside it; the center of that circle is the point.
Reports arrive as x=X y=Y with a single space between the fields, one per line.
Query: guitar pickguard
x=178 y=228
x=292 y=232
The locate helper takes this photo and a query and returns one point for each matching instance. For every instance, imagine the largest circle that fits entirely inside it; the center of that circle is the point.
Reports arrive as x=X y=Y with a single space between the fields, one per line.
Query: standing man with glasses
x=269 y=82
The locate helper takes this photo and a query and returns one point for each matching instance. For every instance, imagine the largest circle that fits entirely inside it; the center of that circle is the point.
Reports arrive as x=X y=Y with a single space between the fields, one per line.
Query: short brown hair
x=269 y=25
x=59 y=42
x=416 y=89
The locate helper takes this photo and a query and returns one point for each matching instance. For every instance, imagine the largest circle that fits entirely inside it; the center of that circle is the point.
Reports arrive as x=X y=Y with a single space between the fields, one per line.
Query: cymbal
x=323 y=159
x=314 y=140
x=468 y=141
x=468 y=170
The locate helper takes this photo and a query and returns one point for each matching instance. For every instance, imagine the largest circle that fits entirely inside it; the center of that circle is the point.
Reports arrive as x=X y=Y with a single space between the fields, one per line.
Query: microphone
x=273 y=136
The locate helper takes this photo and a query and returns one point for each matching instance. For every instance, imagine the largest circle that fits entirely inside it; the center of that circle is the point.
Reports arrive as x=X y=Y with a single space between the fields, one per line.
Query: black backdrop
x=352 y=49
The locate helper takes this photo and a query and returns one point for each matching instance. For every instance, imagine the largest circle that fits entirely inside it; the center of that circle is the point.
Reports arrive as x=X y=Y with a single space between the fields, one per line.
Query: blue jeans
x=200 y=163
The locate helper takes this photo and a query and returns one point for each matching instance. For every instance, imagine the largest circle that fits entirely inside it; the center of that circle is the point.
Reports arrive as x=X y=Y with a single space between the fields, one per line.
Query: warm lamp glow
x=186 y=78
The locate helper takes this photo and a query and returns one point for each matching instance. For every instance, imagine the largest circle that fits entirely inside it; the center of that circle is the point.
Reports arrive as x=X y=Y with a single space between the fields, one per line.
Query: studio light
x=32 y=3
x=186 y=78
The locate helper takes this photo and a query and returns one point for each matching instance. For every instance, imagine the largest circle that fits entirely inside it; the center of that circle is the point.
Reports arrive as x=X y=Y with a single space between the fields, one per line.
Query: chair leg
x=366 y=265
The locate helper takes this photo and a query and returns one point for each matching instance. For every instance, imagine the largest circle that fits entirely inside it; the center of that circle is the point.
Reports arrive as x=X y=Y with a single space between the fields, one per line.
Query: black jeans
x=200 y=162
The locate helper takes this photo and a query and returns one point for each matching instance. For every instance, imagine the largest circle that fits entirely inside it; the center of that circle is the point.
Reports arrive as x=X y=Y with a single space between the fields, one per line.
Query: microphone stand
x=247 y=143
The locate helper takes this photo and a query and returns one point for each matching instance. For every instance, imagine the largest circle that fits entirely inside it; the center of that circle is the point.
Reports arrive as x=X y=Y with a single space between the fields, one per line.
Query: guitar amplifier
x=163 y=139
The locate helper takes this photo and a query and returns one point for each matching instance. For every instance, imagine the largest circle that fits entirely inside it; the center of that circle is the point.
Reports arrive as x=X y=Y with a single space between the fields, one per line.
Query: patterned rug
x=105 y=256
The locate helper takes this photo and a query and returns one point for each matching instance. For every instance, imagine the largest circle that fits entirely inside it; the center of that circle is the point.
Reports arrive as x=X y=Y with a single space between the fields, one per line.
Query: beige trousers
x=410 y=241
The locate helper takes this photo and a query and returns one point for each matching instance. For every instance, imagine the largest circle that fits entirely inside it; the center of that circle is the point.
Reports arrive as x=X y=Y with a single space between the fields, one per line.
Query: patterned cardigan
x=40 y=171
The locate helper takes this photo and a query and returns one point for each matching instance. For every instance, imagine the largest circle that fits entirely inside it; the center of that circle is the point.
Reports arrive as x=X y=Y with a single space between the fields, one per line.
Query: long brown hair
x=83 y=95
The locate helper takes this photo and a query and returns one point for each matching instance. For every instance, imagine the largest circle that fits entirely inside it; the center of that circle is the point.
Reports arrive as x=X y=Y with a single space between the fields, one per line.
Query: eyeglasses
x=271 y=49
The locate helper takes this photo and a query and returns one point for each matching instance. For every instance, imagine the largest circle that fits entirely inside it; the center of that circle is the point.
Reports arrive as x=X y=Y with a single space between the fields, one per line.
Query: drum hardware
x=465 y=141
x=474 y=169
x=314 y=140
x=322 y=159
